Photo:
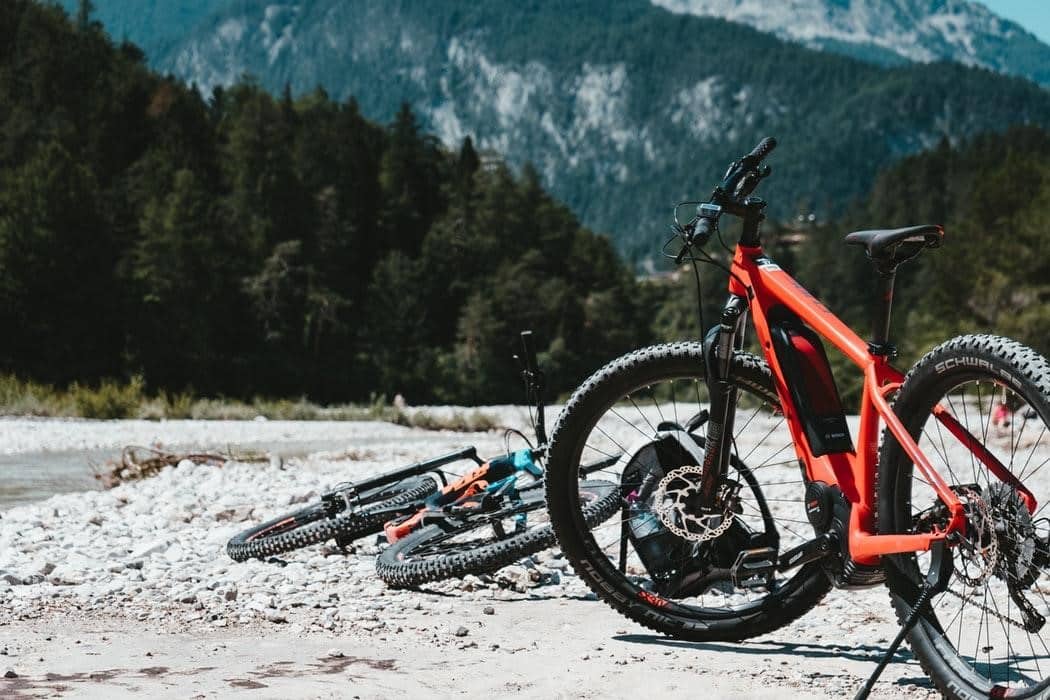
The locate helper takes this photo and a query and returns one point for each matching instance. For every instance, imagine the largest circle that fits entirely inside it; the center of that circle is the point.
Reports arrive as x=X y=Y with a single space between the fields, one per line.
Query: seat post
x=880 y=332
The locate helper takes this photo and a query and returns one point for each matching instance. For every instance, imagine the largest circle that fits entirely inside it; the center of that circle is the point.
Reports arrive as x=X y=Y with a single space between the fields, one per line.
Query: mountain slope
x=891 y=31
x=152 y=24
x=623 y=107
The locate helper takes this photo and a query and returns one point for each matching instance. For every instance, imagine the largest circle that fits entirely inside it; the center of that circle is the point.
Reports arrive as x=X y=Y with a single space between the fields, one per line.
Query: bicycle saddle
x=888 y=248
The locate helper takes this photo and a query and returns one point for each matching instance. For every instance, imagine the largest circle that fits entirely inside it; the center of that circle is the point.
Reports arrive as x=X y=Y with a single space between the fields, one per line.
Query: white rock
x=65 y=575
x=174 y=553
x=148 y=549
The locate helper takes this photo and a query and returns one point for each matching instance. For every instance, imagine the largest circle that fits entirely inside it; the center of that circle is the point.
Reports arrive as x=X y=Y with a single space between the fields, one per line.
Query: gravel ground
x=99 y=590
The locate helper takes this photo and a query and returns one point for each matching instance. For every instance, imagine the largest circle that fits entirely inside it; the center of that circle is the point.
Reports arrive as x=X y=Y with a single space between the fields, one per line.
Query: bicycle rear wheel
x=315 y=524
x=985 y=636
x=487 y=541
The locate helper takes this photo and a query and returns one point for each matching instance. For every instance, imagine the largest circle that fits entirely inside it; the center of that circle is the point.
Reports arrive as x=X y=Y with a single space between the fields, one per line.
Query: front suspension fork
x=719 y=345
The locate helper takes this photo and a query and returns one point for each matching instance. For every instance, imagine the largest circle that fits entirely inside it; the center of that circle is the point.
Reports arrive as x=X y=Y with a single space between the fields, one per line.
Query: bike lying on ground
x=494 y=515
x=744 y=498
x=489 y=517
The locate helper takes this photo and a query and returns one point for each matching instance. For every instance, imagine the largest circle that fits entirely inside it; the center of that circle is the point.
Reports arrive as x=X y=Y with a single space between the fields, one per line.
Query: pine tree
x=174 y=271
x=85 y=10
x=58 y=297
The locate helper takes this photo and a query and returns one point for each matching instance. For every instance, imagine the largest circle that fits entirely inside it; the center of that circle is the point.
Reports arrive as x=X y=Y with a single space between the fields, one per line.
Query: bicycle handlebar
x=741 y=178
x=763 y=149
x=744 y=175
x=535 y=385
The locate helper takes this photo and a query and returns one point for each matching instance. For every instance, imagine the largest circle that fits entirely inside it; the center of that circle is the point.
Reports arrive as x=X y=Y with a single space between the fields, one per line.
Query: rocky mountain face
x=890 y=31
x=623 y=107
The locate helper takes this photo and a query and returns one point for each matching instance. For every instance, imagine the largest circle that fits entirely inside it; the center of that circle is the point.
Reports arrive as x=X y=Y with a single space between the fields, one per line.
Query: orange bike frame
x=765 y=285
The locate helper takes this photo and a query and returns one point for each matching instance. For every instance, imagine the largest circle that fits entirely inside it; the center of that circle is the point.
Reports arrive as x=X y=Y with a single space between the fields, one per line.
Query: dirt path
x=532 y=648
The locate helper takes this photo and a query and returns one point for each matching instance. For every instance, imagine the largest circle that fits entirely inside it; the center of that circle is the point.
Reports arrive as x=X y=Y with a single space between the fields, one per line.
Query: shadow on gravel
x=918 y=681
x=530 y=596
x=864 y=652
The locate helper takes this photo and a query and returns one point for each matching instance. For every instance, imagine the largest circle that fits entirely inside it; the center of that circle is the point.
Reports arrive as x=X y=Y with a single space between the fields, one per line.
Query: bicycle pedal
x=754 y=568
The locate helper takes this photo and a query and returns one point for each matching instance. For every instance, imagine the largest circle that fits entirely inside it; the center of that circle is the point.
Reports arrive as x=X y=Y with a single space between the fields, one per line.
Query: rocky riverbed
x=115 y=583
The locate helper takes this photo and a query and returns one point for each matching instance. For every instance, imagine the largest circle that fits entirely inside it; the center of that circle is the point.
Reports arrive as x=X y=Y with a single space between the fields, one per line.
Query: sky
x=1033 y=15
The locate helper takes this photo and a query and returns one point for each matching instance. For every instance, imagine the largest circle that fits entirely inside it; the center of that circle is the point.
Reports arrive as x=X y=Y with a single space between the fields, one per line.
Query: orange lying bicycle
x=747 y=492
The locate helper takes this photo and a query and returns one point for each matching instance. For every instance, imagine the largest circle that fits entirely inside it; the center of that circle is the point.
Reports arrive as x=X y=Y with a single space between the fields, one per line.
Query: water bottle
x=653 y=542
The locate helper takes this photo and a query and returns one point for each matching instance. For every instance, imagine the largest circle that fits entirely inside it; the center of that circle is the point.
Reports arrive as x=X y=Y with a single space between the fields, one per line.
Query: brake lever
x=700 y=231
x=750 y=181
x=687 y=232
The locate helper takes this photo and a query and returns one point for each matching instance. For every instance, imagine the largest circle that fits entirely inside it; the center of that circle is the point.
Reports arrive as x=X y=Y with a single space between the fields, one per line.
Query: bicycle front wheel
x=647 y=572
x=985 y=636
x=314 y=524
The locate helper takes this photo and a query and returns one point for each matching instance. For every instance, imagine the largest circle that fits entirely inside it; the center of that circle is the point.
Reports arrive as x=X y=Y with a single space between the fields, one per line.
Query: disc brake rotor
x=979 y=550
x=672 y=503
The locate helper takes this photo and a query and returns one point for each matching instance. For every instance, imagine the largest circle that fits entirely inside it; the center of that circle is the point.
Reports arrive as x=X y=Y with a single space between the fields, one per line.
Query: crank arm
x=805 y=553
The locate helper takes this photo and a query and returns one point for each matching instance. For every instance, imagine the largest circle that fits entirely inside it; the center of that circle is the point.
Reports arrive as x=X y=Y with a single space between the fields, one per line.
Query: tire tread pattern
x=351 y=525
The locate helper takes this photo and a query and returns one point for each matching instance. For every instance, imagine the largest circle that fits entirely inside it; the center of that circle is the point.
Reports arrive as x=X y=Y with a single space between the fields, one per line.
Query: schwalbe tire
x=1031 y=372
x=809 y=585
x=398 y=573
x=316 y=527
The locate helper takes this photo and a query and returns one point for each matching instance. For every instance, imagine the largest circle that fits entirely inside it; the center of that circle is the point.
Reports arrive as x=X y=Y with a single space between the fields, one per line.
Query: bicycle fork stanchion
x=936 y=582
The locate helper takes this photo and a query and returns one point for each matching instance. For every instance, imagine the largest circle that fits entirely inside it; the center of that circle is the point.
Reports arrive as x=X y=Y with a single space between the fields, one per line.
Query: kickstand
x=936 y=582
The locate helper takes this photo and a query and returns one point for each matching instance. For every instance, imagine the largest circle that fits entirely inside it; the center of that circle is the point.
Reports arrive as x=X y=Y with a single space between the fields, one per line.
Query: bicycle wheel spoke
x=652 y=395
x=764 y=438
x=640 y=413
x=966 y=425
x=748 y=422
x=674 y=404
x=633 y=425
x=1031 y=454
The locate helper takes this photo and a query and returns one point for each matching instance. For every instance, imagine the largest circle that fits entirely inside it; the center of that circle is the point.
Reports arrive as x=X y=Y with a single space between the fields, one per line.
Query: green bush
x=109 y=400
x=112 y=400
x=22 y=398
x=470 y=422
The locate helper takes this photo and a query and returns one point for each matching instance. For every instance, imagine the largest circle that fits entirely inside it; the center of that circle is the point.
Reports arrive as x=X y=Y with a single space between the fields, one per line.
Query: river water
x=34 y=476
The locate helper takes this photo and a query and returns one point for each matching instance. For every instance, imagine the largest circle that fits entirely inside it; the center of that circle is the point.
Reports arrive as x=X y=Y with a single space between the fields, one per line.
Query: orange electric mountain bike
x=747 y=492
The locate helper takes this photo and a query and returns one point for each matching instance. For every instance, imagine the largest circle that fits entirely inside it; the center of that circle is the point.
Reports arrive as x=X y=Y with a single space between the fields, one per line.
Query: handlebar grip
x=702 y=232
x=763 y=149
x=530 y=351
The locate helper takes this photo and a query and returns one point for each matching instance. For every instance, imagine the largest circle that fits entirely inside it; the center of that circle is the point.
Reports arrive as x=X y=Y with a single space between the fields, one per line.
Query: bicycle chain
x=667 y=511
x=980 y=606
